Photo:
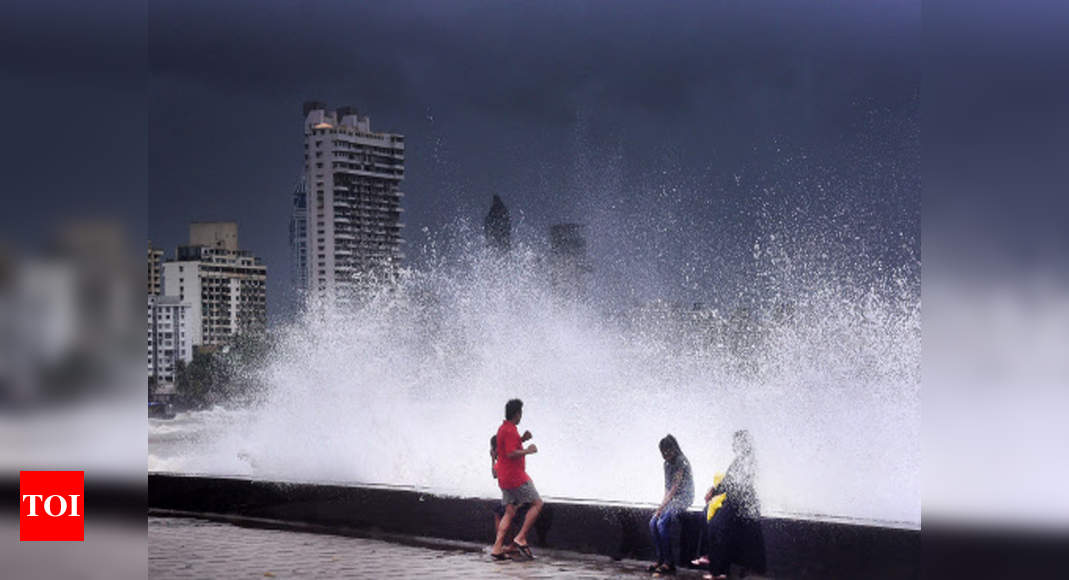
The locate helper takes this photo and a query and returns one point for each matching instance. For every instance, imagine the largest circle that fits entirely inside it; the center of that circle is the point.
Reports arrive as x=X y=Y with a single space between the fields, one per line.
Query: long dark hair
x=669 y=444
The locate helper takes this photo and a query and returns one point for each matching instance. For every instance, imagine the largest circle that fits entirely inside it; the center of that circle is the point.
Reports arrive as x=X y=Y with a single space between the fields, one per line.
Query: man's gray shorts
x=526 y=493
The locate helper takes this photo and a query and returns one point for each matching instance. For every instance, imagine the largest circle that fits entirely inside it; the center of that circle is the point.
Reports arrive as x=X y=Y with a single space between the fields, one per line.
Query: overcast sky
x=680 y=132
x=677 y=130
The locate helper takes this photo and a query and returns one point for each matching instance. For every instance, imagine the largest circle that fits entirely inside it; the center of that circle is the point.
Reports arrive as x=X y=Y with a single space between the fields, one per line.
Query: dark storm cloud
x=517 y=59
x=73 y=78
x=54 y=42
x=514 y=57
x=996 y=125
x=570 y=110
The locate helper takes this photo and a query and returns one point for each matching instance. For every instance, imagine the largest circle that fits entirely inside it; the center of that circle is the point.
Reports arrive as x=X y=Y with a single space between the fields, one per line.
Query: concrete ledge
x=795 y=548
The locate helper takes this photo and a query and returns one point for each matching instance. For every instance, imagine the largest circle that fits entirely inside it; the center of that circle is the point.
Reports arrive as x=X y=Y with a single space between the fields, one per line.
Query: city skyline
x=735 y=166
x=676 y=172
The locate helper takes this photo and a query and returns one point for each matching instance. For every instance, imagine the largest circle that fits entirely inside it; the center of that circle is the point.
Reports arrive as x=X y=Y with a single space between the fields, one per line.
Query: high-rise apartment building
x=169 y=339
x=497 y=227
x=568 y=260
x=350 y=202
x=299 y=236
x=225 y=285
x=155 y=259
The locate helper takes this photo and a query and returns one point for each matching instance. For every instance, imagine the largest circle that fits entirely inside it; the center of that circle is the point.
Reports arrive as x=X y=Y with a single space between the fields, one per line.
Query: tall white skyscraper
x=350 y=203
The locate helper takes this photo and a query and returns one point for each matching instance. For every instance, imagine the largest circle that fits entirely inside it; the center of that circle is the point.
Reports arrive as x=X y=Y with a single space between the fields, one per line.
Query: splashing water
x=408 y=388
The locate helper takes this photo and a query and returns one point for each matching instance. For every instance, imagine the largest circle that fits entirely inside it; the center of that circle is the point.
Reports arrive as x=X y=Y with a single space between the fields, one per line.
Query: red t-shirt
x=511 y=471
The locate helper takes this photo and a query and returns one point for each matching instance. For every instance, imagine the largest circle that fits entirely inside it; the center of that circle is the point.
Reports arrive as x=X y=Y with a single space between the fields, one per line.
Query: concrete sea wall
x=795 y=548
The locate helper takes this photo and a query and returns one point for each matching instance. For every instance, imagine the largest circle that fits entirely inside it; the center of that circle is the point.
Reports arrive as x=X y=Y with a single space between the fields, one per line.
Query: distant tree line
x=222 y=374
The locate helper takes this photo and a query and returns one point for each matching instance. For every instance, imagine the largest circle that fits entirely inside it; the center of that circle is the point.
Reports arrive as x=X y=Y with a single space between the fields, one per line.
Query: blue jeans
x=661 y=531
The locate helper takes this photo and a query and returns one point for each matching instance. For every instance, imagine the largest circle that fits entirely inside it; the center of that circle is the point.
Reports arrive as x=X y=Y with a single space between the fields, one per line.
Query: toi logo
x=51 y=506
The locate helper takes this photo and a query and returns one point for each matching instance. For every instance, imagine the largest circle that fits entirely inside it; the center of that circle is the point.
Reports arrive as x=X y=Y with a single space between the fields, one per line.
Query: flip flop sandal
x=499 y=557
x=524 y=549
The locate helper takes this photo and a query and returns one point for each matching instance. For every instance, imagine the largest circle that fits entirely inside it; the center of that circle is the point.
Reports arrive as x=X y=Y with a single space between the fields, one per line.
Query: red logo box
x=52 y=506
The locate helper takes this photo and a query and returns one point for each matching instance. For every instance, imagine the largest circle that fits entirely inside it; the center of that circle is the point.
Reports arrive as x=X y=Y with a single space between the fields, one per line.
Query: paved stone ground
x=191 y=548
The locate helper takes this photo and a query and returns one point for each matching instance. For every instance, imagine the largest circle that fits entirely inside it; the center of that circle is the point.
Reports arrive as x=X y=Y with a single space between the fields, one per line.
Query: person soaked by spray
x=678 y=495
x=517 y=488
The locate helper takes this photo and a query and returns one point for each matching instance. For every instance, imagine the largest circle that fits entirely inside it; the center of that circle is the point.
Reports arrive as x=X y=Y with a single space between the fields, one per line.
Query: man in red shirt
x=517 y=488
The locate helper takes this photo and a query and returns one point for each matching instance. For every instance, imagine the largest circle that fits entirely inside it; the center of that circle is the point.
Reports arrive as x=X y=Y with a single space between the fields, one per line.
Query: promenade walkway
x=191 y=548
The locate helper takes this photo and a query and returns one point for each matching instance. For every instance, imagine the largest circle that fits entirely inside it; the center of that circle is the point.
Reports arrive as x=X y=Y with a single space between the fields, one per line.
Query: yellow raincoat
x=717 y=501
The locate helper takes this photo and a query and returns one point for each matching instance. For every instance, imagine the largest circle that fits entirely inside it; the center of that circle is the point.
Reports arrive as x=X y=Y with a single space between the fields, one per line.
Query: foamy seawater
x=408 y=388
